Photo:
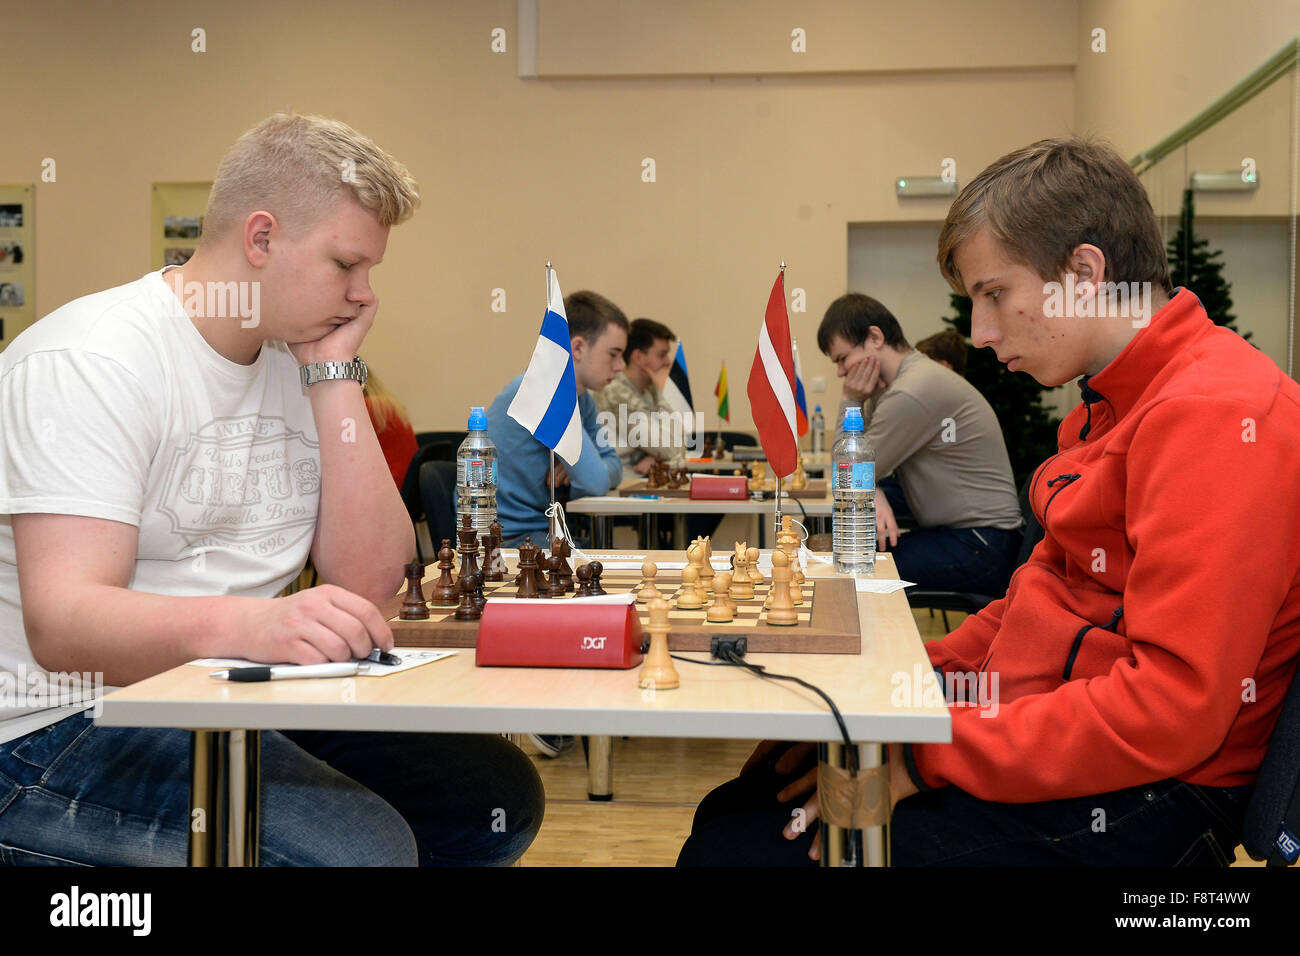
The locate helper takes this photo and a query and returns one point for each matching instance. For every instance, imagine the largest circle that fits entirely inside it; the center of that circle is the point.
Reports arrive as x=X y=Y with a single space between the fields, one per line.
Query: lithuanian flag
x=724 y=408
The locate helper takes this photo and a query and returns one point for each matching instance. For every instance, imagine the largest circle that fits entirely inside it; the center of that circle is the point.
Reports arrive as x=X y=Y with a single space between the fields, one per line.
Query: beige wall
x=712 y=37
x=1166 y=61
x=751 y=169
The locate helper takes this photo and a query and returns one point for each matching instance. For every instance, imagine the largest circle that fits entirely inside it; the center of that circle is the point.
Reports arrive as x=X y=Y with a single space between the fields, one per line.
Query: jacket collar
x=1130 y=373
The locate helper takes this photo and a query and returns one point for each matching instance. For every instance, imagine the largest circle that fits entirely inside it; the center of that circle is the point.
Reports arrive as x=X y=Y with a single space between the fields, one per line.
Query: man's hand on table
x=316 y=626
x=900 y=785
x=643 y=466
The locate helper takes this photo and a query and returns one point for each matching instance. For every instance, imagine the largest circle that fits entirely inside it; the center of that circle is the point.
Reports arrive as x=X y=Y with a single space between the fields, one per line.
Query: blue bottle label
x=855 y=476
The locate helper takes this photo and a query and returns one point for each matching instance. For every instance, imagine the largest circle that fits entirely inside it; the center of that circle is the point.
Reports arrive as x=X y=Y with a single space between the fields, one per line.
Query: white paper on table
x=411 y=657
x=881 y=585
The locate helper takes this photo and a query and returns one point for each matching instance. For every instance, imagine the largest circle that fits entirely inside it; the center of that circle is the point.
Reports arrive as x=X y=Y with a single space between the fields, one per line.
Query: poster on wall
x=17 y=266
x=177 y=221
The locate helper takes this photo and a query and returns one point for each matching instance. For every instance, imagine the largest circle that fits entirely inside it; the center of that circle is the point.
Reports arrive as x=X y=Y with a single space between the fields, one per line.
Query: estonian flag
x=547 y=401
x=677 y=390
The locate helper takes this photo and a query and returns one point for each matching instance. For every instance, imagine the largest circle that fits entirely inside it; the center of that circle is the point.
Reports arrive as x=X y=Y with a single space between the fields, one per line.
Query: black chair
x=732 y=439
x=970 y=602
x=438 y=494
x=452 y=439
x=1272 y=820
x=411 y=496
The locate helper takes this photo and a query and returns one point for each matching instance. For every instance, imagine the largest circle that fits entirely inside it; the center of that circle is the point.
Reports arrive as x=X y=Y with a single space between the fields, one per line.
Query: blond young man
x=1142 y=653
x=172 y=452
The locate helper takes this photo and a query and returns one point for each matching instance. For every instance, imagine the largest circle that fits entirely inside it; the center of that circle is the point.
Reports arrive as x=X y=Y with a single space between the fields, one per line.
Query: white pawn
x=648 y=591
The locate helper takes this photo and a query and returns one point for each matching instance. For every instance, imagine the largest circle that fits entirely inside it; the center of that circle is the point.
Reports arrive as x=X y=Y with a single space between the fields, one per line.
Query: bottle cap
x=477 y=419
x=853 y=420
x=819 y=408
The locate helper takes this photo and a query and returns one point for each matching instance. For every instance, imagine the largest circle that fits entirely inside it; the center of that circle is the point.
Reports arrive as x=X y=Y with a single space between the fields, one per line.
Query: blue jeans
x=951 y=559
x=75 y=793
x=1164 y=824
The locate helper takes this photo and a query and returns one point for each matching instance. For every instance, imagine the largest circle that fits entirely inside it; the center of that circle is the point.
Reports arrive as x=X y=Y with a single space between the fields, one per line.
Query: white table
x=602 y=507
x=455 y=696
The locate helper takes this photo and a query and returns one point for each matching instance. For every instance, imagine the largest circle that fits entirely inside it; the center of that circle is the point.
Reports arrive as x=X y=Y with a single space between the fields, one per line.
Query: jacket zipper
x=1078 y=639
x=1067 y=479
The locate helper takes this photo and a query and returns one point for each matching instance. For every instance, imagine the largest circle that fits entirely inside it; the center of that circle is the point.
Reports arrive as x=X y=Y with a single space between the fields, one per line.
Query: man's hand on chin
x=340 y=344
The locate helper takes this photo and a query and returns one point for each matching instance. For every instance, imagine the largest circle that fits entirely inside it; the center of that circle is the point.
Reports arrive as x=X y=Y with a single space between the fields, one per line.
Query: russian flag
x=547 y=401
x=800 y=402
x=771 y=386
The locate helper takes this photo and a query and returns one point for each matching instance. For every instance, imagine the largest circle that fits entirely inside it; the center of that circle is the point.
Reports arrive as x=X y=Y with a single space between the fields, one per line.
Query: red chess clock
x=578 y=632
x=719 y=488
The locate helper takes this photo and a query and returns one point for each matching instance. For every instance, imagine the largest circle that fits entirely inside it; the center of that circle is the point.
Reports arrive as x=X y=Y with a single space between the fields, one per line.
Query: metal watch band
x=328 y=371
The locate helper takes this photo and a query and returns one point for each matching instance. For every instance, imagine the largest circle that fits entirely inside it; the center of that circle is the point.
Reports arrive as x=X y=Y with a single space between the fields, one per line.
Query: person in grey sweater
x=938 y=435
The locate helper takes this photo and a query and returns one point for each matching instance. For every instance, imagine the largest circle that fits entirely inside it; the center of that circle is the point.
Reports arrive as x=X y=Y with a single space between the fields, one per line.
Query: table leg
x=843 y=846
x=600 y=771
x=679 y=532
x=225 y=797
x=599 y=531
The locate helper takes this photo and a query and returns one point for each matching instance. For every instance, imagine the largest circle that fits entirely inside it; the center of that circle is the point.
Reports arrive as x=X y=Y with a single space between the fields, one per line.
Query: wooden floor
x=657 y=784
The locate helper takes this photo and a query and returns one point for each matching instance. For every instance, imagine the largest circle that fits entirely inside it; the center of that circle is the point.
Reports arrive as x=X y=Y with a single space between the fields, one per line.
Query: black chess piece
x=597 y=569
x=555 y=588
x=414 y=607
x=584 y=581
x=468 y=610
x=445 y=592
x=527 y=580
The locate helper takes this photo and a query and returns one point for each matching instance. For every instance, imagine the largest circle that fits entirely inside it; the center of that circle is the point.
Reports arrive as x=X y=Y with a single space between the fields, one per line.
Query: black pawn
x=583 y=575
x=597 y=569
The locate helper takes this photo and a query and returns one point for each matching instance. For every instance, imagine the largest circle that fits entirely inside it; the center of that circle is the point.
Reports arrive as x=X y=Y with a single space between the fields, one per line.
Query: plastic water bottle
x=476 y=475
x=853 y=473
x=818 y=427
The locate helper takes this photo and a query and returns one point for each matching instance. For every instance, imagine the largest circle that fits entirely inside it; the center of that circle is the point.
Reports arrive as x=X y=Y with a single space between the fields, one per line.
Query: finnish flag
x=547 y=401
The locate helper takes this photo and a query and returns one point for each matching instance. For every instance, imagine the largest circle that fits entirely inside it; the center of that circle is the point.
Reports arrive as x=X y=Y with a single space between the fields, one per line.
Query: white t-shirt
x=115 y=407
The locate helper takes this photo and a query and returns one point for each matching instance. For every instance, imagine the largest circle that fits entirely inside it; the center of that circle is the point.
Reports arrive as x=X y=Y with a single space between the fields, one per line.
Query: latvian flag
x=771 y=386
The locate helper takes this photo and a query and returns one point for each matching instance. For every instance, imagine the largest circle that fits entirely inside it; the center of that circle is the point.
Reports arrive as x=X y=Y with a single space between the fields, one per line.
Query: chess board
x=815 y=491
x=827 y=620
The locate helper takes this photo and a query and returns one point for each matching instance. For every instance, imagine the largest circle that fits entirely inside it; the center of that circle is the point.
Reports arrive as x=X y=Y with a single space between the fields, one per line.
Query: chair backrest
x=411 y=482
x=438 y=492
x=1033 y=532
x=1271 y=830
x=453 y=438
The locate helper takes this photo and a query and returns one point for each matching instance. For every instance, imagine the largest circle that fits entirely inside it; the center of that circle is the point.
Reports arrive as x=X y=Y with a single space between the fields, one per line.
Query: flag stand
x=550 y=475
x=776 y=534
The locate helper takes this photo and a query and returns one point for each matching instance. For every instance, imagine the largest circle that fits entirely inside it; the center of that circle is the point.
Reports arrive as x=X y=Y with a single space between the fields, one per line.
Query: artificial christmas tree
x=1193 y=266
x=1017 y=400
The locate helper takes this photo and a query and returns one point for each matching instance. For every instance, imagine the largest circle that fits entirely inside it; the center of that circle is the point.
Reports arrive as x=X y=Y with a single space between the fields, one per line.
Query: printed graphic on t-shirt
x=248 y=482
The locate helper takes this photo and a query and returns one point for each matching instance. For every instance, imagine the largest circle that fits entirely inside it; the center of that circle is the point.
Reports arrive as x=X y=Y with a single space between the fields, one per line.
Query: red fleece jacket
x=1176 y=496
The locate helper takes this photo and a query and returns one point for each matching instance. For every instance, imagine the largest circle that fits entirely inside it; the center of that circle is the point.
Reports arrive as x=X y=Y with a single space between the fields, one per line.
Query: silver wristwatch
x=328 y=371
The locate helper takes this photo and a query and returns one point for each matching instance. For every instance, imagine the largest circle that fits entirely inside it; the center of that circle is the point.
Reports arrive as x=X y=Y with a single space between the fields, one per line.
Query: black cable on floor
x=734 y=660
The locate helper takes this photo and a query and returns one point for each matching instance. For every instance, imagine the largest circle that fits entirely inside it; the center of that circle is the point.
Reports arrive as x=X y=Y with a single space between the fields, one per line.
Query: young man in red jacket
x=1142 y=653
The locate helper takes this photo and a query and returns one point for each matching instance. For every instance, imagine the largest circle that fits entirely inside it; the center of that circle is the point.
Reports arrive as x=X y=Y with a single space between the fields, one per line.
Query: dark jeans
x=1164 y=824
x=75 y=793
x=980 y=560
